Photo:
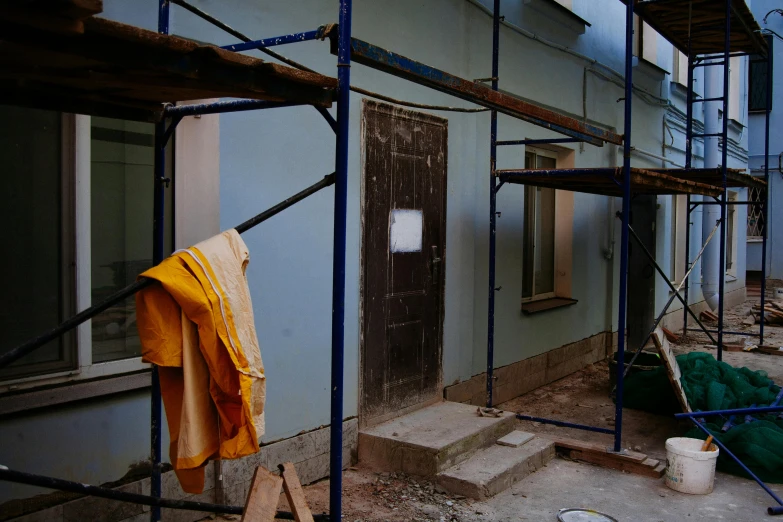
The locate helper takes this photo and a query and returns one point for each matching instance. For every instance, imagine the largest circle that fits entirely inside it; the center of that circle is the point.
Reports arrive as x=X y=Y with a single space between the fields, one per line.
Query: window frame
x=679 y=67
x=535 y=151
x=678 y=254
x=756 y=60
x=755 y=211
x=731 y=236
x=195 y=147
x=736 y=64
x=69 y=360
x=76 y=155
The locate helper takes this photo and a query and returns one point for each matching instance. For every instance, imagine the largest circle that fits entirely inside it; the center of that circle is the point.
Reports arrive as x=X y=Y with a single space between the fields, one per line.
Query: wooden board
x=714 y=176
x=630 y=461
x=699 y=25
x=672 y=368
x=604 y=181
x=770 y=350
x=98 y=66
x=294 y=493
x=262 y=499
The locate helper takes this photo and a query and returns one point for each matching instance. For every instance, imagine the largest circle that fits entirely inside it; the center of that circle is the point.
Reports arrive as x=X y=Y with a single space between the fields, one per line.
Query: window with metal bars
x=756 y=222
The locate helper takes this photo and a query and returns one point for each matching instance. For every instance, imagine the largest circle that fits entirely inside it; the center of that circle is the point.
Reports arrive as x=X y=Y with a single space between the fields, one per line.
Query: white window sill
x=93 y=371
x=556 y=12
x=535 y=306
x=649 y=69
x=41 y=397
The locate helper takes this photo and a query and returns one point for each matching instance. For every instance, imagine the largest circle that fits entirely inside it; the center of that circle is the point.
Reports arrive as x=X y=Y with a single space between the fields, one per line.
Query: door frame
x=393 y=110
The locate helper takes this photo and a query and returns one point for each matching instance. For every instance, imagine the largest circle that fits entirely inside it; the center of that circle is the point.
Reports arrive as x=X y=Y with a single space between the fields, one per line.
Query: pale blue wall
x=775 y=242
x=89 y=441
x=268 y=155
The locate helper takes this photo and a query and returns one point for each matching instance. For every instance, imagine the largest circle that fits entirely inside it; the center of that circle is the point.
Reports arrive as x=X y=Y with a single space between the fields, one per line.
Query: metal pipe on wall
x=623 y=290
x=688 y=164
x=493 y=137
x=338 y=260
x=159 y=177
x=767 y=199
x=724 y=171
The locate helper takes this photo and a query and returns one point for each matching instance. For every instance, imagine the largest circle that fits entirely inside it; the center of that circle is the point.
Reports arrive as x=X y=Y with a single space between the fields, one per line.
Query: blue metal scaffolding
x=622 y=182
x=339 y=179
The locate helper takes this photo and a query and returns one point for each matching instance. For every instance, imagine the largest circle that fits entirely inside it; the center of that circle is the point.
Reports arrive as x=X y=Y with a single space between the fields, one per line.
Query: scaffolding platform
x=403 y=67
x=69 y=60
x=608 y=181
x=703 y=24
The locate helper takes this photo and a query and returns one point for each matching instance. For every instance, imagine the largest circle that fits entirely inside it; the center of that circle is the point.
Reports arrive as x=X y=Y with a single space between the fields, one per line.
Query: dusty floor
x=582 y=398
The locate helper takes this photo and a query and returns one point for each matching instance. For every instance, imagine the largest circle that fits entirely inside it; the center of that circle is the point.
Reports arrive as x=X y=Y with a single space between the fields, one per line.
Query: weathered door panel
x=404 y=252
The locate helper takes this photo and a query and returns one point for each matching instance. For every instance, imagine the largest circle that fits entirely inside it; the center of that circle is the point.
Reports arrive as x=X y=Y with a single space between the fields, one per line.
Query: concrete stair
x=497 y=468
x=431 y=439
x=467 y=454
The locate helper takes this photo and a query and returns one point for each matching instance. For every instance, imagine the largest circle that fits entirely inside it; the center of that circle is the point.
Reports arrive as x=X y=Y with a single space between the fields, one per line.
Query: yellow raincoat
x=197 y=326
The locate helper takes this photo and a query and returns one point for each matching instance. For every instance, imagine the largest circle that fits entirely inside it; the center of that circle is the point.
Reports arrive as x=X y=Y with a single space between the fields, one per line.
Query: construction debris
x=671 y=336
x=773 y=313
x=708 y=317
x=488 y=412
x=672 y=368
x=626 y=460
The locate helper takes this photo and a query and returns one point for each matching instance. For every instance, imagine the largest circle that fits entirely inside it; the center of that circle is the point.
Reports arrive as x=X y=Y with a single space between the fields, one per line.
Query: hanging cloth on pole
x=197 y=326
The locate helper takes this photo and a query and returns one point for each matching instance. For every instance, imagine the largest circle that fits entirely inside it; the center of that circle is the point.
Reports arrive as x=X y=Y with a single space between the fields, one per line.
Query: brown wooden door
x=404 y=259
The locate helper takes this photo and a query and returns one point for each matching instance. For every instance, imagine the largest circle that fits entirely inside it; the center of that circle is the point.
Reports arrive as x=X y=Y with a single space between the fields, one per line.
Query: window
x=82 y=230
x=757 y=84
x=678 y=256
x=731 y=235
x=645 y=41
x=755 y=214
x=680 y=65
x=538 y=263
x=37 y=260
x=735 y=66
x=121 y=199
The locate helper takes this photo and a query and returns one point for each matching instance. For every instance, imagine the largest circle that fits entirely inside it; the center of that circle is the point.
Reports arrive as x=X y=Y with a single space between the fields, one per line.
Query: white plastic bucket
x=688 y=469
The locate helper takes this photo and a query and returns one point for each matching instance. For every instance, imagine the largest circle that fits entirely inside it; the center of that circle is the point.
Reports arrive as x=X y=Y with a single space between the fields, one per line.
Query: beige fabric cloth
x=198 y=327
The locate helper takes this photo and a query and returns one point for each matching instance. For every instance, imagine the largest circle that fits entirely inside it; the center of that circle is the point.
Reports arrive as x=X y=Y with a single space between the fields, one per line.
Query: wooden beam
x=672 y=368
x=262 y=499
x=630 y=461
x=294 y=493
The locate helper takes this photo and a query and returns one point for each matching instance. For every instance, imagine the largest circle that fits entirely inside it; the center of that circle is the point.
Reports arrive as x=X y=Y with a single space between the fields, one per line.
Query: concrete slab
x=496 y=469
x=515 y=439
x=430 y=440
x=626 y=497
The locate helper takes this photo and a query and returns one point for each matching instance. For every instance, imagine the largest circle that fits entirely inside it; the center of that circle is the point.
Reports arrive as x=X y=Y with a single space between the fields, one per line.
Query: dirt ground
x=582 y=397
x=374 y=497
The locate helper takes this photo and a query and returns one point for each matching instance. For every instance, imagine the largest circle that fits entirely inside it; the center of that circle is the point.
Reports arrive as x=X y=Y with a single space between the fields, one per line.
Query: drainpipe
x=710 y=261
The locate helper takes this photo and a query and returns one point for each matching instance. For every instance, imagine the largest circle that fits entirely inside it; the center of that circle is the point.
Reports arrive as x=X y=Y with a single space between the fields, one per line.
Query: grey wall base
x=309 y=452
x=673 y=319
x=523 y=376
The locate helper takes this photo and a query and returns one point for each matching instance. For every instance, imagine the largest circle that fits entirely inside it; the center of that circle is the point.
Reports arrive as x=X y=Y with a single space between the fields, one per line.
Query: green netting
x=713 y=385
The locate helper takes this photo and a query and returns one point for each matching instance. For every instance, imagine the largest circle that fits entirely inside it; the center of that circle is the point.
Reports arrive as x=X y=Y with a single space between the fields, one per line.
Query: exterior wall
x=528 y=374
x=775 y=220
x=225 y=482
x=265 y=156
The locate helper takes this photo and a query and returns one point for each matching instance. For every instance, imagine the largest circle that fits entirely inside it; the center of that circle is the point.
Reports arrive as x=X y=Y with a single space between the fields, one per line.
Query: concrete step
x=497 y=468
x=431 y=439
